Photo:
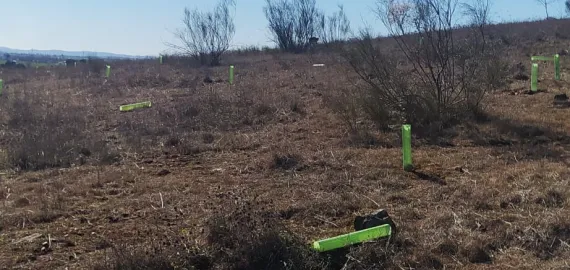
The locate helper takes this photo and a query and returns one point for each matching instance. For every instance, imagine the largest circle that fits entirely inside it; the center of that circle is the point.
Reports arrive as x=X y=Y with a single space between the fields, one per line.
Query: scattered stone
x=163 y=172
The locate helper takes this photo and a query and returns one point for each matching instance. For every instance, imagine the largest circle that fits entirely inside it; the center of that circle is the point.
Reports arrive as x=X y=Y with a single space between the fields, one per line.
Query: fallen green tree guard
x=130 y=107
x=541 y=58
x=352 y=238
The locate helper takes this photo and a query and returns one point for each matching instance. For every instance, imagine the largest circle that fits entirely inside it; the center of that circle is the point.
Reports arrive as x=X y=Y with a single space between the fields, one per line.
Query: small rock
x=461 y=169
x=561 y=97
x=208 y=80
x=379 y=218
x=561 y=100
x=163 y=172
x=479 y=255
x=563 y=52
x=113 y=219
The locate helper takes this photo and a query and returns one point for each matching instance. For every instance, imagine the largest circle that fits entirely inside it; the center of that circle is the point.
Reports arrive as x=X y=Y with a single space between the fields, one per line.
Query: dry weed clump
x=241 y=238
x=45 y=132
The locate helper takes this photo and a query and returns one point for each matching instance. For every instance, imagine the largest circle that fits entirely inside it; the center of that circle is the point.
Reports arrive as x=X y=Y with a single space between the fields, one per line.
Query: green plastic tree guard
x=231 y=74
x=130 y=107
x=160 y=59
x=352 y=238
x=534 y=78
x=557 y=67
x=407 y=147
x=1 y=86
x=108 y=71
x=542 y=58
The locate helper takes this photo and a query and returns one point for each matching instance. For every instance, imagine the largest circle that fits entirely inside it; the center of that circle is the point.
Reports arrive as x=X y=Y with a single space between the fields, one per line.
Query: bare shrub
x=206 y=35
x=444 y=78
x=176 y=255
x=292 y=22
x=45 y=133
x=246 y=239
x=545 y=4
x=238 y=239
x=95 y=65
x=334 y=28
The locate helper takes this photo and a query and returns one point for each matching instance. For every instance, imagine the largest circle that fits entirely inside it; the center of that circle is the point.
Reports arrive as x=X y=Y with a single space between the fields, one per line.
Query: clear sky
x=141 y=27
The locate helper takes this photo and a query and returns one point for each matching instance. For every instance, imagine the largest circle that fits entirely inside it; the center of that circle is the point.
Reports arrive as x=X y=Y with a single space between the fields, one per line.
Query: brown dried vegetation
x=214 y=176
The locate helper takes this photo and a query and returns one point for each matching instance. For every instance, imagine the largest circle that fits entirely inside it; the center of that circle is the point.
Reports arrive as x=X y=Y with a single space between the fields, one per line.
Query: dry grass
x=213 y=174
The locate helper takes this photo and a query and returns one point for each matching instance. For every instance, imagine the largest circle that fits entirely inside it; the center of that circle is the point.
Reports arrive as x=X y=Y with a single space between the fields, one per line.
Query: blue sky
x=141 y=27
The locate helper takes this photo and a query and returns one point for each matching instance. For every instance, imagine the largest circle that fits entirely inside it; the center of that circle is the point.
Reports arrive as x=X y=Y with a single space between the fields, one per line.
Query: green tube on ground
x=130 y=107
x=1 y=86
x=557 y=67
x=108 y=71
x=407 y=147
x=352 y=238
x=542 y=58
x=231 y=74
x=160 y=59
x=534 y=78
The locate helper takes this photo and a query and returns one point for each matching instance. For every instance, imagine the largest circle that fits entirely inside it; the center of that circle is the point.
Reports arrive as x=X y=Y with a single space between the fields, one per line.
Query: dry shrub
x=157 y=256
x=285 y=161
x=96 y=65
x=442 y=80
x=237 y=239
x=45 y=133
x=248 y=238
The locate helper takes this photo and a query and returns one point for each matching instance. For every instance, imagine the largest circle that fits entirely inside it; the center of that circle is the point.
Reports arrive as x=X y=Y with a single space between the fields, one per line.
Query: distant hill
x=71 y=54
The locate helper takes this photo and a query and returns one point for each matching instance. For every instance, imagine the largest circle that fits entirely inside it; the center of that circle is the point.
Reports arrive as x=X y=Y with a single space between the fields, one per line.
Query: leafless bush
x=479 y=12
x=334 y=28
x=292 y=22
x=545 y=4
x=95 y=65
x=443 y=79
x=206 y=35
x=44 y=133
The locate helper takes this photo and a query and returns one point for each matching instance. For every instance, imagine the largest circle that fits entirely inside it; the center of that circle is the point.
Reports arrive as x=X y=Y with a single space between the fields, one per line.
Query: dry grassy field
x=246 y=176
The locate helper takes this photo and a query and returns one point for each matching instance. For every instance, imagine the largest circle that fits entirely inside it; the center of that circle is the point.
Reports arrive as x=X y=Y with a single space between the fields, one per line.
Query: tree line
x=206 y=35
